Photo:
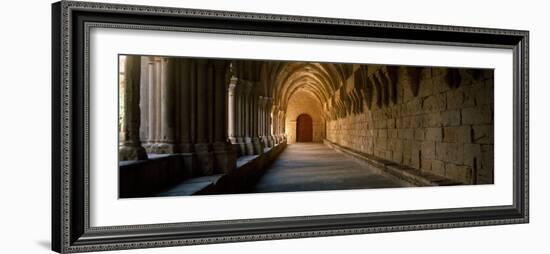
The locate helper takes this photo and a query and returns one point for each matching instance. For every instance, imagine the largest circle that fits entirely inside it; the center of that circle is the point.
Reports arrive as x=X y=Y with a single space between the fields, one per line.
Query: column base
x=258 y=145
x=161 y=148
x=205 y=159
x=237 y=149
x=277 y=139
x=148 y=147
x=242 y=146
x=271 y=141
x=185 y=148
x=249 y=146
x=265 y=141
x=236 y=143
x=127 y=153
x=225 y=157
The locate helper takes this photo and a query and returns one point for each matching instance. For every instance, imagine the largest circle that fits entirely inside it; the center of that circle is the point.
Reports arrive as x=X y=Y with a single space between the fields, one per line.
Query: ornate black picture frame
x=71 y=230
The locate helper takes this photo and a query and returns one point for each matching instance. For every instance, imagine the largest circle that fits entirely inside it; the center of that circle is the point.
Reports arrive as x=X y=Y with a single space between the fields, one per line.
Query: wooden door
x=304 y=128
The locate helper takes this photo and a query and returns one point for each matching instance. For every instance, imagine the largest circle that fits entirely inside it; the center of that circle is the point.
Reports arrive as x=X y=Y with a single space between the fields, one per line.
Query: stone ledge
x=248 y=171
x=143 y=178
x=411 y=175
x=192 y=186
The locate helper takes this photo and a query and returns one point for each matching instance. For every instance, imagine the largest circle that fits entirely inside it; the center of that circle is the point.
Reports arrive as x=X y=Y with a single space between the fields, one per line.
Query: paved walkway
x=314 y=166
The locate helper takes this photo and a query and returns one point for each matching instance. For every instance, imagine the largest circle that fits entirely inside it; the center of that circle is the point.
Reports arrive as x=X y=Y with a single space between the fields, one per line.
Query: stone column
x=129 y=146
x=151 y=109
x=266 y=121
x=147 y=102
x=202 y=147
x=283 y=125
x=193 y=101
x=241 y=117
x=256 y=139
x=278 y=131
x=220 y=102
x=271 y=120
x=177 y=103
x=274 y=123
x=233 y=115
x=210 y=102
x=223 y=151
x=157 y=102
x=262 y=119
x=185 y=144
x=267 y=115
x=143 y=101
x=276 y=128
x=231 y=103
x=167 y=101
x=248 y=107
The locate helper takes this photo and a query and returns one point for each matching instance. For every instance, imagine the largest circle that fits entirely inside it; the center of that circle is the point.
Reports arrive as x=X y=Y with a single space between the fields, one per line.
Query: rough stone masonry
x=434 y=119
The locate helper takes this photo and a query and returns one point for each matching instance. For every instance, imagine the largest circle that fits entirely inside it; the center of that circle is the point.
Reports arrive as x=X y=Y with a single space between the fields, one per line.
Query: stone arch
x=304 y=102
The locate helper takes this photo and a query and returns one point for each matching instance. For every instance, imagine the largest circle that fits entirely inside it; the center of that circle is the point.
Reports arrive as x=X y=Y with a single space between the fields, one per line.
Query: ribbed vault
x=321 y=80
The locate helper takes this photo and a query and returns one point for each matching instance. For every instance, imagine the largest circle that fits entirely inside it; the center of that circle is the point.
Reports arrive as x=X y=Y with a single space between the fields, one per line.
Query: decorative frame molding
x=71 y=22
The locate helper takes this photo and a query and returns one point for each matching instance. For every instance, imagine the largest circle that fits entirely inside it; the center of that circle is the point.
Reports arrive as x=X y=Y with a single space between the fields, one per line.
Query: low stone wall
x=438 y=120
x=248 y=173
x=146 y=177
x=160 y=174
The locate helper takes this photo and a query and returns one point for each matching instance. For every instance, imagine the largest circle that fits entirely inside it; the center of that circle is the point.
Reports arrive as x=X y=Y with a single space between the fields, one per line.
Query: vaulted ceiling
x=281 y=79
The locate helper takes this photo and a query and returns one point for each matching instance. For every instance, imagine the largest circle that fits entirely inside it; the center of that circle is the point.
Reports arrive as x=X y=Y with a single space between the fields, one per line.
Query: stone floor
x=314 y=166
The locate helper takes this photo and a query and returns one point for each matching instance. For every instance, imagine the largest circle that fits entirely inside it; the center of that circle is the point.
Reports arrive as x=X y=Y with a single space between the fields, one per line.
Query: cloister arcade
x=185 y=118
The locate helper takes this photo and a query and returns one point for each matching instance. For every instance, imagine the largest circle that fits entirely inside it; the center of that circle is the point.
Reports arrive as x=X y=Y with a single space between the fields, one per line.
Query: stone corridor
x=225 y=124
x=314 y=166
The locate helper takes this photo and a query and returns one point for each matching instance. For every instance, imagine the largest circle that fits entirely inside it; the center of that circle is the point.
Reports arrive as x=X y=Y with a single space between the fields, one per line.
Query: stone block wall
x=434 y=119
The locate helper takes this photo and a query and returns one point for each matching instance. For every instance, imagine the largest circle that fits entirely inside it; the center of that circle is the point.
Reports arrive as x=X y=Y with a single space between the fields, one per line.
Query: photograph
x=205 y=126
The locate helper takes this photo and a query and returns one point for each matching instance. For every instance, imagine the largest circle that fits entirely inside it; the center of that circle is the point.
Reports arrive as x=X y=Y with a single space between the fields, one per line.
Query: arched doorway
x=304 y=128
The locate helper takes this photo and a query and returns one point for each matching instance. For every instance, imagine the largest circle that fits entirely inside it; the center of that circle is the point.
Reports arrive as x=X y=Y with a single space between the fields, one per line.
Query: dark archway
x=304 y=128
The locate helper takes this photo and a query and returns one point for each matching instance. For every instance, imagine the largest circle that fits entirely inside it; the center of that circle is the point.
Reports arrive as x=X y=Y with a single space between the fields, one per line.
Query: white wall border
x=106 y=209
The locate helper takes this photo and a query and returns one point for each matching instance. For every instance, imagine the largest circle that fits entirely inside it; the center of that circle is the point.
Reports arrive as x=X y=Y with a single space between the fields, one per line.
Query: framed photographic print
x=181 y=126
